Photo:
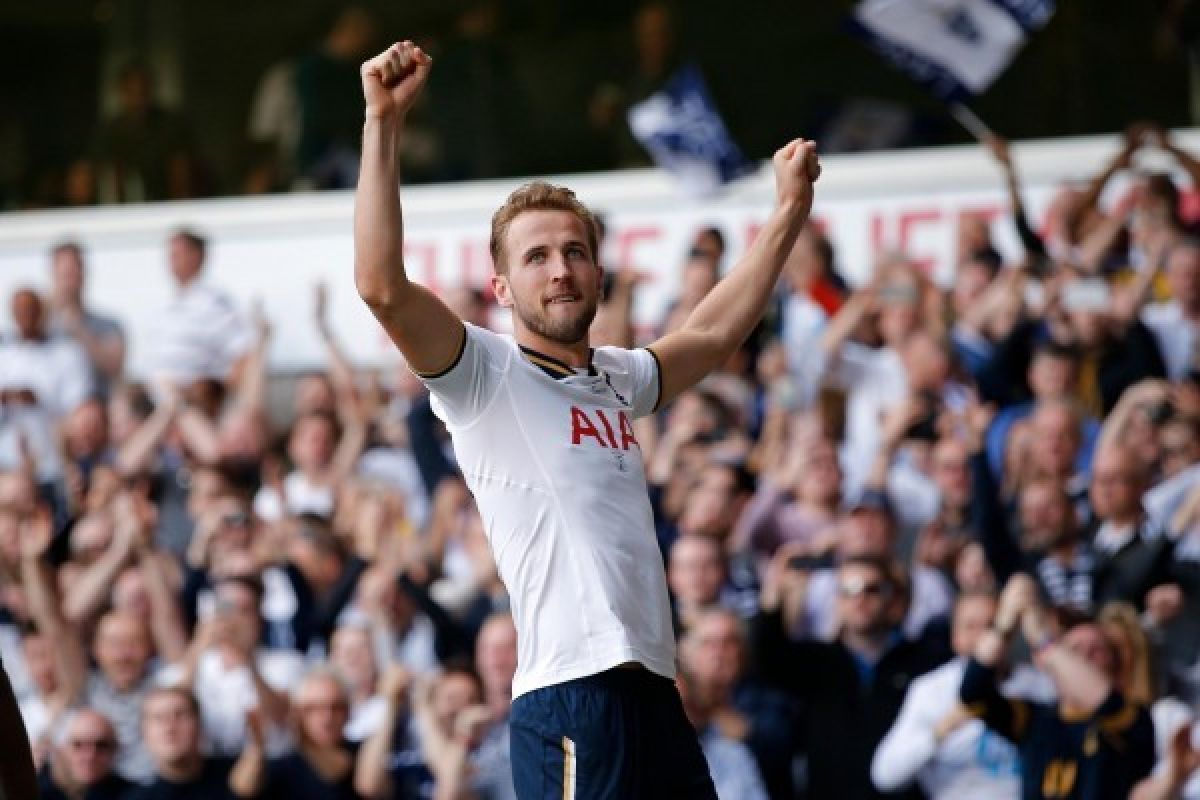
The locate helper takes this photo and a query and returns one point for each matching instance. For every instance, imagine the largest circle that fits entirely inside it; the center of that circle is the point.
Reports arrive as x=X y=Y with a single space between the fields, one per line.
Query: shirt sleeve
x=907 y=747
x=635 y=375
x=980 y=694
x=462 y=391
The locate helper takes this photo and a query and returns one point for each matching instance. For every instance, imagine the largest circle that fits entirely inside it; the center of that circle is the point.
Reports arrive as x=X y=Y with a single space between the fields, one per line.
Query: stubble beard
x=561 y=330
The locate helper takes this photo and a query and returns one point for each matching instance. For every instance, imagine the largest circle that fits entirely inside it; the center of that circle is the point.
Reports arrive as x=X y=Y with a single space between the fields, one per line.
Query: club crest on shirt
x=610 y=429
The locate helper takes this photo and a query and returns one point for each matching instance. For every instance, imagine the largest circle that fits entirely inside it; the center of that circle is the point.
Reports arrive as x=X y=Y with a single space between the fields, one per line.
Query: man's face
x=714 y=651
x=1180 y=448
x=1115 y=490
x=864 y=599
x=312 y=443
x=1054 y=440
x=27 y=314
x=866 y=532
x=88 y=748
x=1044 y=513
x=712 y=503
x=1051 y=375
x=66 y=272
x=550 y=279
x=695 y=570
x=351 y=655
x=170 y=728
x=971 y=281
x=86 y=429
x=451 y=694
x=972 y=616
x=185 y=259
x=496 y=654
x=1087 y=641
x=239 y=607
x=951 y=472
x=323 y=711
x=122 y=649
x=1183 y=276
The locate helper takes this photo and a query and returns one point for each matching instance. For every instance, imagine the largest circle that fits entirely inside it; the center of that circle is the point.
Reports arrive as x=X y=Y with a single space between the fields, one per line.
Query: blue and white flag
x=680 y=127
x=955 y=48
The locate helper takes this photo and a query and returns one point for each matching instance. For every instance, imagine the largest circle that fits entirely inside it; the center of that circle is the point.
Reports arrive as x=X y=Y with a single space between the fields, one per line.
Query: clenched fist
x=393 y=79
x=796 y=170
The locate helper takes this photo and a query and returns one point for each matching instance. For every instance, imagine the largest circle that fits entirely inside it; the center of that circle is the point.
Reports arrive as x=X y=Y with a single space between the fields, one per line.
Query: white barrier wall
x=275 y=248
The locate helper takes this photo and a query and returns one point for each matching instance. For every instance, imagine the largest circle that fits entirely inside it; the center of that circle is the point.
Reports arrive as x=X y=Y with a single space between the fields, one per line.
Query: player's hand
x=393 y=79
x=796 y=170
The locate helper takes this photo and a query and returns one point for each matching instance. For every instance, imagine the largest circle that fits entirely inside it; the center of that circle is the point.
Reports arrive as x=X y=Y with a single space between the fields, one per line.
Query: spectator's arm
x=988 y=516
x=166 y=619
x=909 y=745
x=341 y=371
x=1098 y=243
x=1186 y=160
x=350 y=446
x=1033 y=244
x=251 y=393
x=70 y=662
x=1180 y=762
x=1079 y=683
x=719 y=325
x=1133 y=400
x=135 y=454
x=371 y=779
x=248 y=777
x=94 y=587
x=199 y=436
x=846 y=321
x=106 y=350
x=1087 y=201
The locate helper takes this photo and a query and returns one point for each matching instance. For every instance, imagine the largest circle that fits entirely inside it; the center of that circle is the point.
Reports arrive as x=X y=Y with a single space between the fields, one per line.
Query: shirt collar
x=555 y=368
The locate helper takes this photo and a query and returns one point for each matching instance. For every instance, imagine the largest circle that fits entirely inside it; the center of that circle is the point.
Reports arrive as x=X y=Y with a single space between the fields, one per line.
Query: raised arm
x=427 y=332
x=727 y=315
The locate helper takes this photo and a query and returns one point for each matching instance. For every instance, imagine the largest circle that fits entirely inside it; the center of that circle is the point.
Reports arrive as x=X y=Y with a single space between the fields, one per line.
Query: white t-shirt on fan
x=557 y=474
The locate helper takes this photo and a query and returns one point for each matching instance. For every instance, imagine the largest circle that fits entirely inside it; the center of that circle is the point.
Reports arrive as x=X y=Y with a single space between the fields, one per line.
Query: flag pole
x=971 y=121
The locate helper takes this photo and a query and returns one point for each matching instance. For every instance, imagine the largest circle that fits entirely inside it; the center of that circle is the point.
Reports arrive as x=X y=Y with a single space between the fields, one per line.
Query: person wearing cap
x=851 y=687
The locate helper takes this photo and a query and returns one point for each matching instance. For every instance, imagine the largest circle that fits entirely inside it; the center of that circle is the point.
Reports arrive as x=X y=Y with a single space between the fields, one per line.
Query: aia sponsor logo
x=611 y=430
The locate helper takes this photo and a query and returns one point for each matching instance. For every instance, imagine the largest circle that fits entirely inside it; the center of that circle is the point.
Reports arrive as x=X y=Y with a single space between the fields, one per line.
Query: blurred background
x=111 y=101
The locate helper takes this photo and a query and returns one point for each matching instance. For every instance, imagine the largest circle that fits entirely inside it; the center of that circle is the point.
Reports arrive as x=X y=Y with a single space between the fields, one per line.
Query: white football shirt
x=551 y=457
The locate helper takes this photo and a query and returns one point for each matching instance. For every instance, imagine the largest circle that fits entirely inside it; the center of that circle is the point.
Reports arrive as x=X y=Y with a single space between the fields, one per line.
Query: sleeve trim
x=657 y=379
x=432 y=376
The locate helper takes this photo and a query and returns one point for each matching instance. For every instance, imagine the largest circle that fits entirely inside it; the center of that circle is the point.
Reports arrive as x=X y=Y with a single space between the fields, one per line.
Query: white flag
x=956 y=48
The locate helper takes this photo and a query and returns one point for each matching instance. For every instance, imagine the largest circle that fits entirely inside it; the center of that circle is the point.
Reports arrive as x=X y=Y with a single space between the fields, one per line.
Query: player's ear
x=502 y=291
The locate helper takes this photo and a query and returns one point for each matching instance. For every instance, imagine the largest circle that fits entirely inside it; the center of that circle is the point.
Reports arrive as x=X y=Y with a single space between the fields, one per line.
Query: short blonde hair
x=539 y=196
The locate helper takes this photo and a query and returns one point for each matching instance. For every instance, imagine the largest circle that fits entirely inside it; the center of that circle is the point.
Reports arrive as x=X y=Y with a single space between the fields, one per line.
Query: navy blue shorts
x=618 y=735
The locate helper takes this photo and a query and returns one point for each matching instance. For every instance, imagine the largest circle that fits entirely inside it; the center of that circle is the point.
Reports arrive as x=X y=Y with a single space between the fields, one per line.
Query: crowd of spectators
x=201 y=597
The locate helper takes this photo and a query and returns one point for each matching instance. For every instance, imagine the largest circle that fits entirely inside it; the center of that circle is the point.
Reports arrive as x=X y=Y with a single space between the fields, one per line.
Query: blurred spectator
x=145 y=151
x=172 y=731
x=1174 y=322
x=329 y=103
x=655 y=57
x=37 y=368
x=100 y=335
x=476 y=105
x=199 y=334
x=82 y=763
x=322 y=763
x=1096 y=742
x=230 y=673
x=934 y=743
x=734 y=709
x=852 y=687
